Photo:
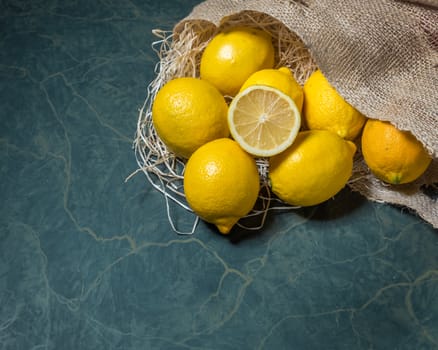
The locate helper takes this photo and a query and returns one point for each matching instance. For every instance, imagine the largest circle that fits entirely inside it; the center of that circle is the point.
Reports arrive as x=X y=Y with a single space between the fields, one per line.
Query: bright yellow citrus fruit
x=325 y=109
x=393 y=155
x=221 y=183
x=315 y=168
x=282 y=79
x=187 y=113
x=233 y=55
x=263 y=120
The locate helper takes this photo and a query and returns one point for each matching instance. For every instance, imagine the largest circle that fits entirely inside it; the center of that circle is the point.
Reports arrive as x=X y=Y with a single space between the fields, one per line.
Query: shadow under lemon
x=342 y=205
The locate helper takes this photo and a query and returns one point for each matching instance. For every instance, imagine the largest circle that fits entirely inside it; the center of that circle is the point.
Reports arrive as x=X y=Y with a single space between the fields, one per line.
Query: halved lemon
x=263 y=120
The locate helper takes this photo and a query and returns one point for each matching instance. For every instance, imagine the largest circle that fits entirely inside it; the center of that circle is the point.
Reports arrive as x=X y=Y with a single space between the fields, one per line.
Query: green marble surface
x=88 y=261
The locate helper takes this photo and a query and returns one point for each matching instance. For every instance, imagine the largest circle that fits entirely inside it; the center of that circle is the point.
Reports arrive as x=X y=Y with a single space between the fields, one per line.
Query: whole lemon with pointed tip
x=233 y=55
x=311 y=171
x=325 y=109
x=221 y=183
x=281 y=79
x=393 y=155
x=187 y=113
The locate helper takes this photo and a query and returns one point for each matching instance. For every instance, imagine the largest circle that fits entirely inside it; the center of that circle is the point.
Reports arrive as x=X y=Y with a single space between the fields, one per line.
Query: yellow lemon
x=315 y=168
x=233 y=55
x=263 y=120
x=393 y=155
x=282 y=79
x=325 y=109
x=221 y=183
x=187 y=113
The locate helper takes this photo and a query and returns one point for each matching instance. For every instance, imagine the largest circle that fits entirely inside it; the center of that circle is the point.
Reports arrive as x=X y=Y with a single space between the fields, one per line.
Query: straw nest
x=179 y=55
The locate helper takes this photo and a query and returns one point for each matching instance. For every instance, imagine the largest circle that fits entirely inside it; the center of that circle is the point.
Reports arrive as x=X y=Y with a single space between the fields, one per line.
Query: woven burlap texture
x=381 y=56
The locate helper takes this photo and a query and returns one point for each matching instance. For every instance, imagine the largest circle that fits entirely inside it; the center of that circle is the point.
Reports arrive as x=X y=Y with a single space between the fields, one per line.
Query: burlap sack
x=380 y=55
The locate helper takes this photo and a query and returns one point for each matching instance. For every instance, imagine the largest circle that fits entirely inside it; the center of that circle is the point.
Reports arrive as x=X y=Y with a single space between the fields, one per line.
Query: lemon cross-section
x=263 y=120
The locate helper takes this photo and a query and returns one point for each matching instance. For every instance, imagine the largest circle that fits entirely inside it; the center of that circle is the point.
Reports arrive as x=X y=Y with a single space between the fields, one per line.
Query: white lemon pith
x=221 y=183
x=315 y=168
x=187 y=113
x=263 y=120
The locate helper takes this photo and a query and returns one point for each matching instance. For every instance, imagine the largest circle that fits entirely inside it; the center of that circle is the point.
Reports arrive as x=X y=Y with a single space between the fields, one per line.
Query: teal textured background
x=88 y=261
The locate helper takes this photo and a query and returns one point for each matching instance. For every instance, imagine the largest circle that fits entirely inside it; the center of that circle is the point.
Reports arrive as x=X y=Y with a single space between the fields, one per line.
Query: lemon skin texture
x=325 y=109
x=393 y=156
x=281 y=79
x=221 y=183
x=233 y=55
x=311 y=171
x=187 y=113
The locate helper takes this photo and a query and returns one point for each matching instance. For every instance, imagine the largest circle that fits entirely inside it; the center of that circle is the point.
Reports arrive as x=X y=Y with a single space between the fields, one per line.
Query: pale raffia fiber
x=381 y=56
